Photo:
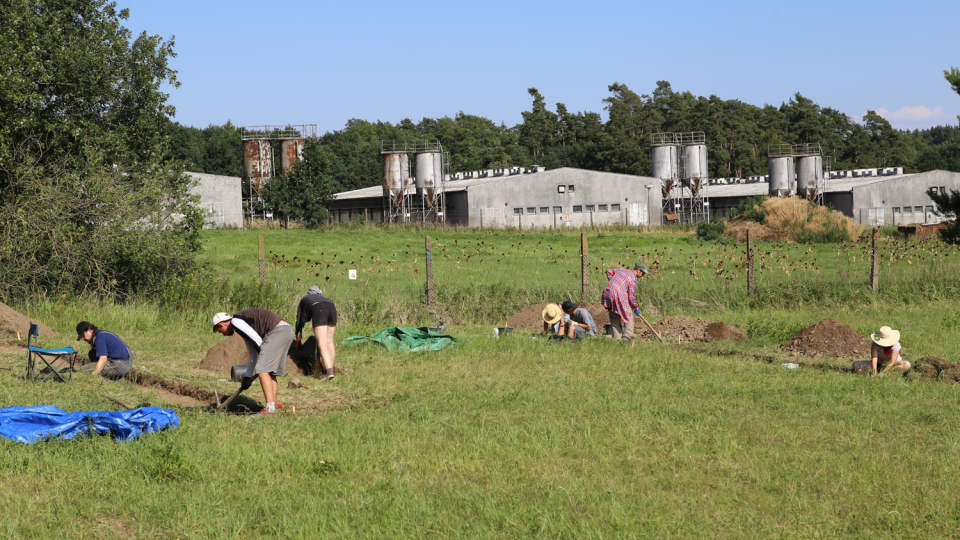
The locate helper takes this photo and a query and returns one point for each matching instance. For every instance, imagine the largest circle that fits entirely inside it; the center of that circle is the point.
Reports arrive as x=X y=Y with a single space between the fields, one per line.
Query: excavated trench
x=184 y=394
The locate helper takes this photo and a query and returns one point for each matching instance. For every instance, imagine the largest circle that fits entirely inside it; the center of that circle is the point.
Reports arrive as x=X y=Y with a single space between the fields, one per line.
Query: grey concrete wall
x=909 y=191
x=492 y=204
x=221 y=196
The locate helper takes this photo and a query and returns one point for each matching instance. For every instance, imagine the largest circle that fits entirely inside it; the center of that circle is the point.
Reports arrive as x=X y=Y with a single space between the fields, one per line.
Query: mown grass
x=511 y=438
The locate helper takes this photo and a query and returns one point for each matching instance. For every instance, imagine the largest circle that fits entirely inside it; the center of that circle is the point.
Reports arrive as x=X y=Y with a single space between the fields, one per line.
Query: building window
x=896 y=209
x=930 y=209
x=614 y=207
x=577 y=208
x=918 y=209
x=518 y=211
x=557 y=209
x=603 y=208
x=943 y=190
x=544 y=209
x=532 y=210
x=561 y=189
x=591 y=208
x=907 y=209
x=569 y=189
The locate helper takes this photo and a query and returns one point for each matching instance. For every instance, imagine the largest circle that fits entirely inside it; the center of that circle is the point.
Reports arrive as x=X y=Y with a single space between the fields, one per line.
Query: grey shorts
x=273 y=352
x=579 y=332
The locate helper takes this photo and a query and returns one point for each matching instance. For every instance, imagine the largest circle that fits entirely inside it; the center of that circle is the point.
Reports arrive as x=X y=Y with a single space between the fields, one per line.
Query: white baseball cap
x=219 y=318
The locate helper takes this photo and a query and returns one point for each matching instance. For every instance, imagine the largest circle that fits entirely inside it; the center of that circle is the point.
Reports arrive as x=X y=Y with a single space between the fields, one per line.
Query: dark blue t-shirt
x=109 y=345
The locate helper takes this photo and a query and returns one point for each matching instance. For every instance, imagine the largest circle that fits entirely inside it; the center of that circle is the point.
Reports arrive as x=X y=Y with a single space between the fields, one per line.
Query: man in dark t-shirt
x=109 y=355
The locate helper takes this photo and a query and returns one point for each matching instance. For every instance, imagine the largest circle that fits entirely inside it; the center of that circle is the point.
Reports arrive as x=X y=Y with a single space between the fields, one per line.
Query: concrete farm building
x=537 y=198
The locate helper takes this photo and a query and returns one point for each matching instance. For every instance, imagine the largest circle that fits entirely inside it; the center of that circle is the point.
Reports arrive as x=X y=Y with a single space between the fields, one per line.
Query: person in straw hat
x=885 y=348
x=553 y=316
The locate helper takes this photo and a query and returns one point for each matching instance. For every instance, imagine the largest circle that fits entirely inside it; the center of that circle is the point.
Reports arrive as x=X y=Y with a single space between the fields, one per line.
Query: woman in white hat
x=885 y=348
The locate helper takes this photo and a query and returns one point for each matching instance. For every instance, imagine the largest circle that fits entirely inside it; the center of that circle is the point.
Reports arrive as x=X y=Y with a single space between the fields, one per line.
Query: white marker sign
x=353 y=274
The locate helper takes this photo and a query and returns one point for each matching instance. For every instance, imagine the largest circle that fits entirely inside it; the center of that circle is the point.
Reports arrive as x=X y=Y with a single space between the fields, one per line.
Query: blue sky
x=303 y=62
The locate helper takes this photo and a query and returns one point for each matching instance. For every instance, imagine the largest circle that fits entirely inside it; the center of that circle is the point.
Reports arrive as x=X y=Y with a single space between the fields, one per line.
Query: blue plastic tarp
x=41 y=422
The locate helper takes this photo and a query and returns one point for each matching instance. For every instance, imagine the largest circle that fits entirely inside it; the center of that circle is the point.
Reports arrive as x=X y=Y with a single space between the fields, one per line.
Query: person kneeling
x=885 y=348
x=579 y=321
x=109 y=355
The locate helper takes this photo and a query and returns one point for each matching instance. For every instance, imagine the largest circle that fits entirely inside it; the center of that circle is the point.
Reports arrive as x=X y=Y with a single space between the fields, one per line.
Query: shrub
x=751 y=209
x=710 y=231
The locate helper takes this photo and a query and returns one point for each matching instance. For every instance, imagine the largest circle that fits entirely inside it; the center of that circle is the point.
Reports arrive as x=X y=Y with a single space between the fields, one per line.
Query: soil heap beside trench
x=13 y=322
x=688 y=329
x=232 y=351
x=829 y=337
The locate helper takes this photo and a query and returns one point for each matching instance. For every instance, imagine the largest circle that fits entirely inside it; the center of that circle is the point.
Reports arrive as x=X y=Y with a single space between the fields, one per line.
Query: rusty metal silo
x=393 y=180
x=291 y=152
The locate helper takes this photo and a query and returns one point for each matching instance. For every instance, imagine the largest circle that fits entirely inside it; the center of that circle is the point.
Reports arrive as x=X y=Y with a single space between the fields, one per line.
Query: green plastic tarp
x=406 y=339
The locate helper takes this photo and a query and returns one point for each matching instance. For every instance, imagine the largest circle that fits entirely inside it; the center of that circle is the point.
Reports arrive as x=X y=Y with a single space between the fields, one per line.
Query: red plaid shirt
x=618 y=295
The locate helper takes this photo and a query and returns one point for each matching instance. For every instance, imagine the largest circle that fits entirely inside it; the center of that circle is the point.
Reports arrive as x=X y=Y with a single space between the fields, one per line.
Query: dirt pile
x=232 y=351
x=828 y=337
x=688 y=329
x=12 y=322
x=530 y=318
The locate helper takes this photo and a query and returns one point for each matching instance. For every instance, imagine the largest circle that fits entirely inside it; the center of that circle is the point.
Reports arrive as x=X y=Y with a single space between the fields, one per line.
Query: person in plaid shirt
x=619 y=297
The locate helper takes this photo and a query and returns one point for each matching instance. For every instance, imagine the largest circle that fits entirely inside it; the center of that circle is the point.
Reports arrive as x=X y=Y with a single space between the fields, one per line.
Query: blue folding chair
x=55 y=359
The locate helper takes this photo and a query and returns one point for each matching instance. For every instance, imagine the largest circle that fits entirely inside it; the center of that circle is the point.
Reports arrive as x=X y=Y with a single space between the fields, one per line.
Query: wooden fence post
x=262 y=259
x=750 y=279
x=584 y=267
x=875 y=262
x=429 y=277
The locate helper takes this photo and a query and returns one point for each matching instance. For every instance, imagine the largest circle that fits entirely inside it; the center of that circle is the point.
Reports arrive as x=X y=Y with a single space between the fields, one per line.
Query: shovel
x=651 y=328
x=229 y=399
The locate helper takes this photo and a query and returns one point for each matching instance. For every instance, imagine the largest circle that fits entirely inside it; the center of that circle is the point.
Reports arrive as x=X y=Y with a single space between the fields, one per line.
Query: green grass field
x=518 y=437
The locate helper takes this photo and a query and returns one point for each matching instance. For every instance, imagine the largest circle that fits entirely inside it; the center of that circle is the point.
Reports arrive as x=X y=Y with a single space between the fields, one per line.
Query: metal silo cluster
x=258 y=161
x=804 y=179
x=413 y=199
x=680 y=162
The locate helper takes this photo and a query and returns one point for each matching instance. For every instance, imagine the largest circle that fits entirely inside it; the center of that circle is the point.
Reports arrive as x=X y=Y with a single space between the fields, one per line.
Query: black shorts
x=323 y=314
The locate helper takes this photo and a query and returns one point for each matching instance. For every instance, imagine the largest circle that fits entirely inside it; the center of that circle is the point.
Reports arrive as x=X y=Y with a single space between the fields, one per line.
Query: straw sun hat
x=552 y=314
x=886 y=336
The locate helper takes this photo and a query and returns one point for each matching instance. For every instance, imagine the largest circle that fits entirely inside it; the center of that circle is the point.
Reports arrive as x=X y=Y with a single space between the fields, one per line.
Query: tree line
x=737 y=135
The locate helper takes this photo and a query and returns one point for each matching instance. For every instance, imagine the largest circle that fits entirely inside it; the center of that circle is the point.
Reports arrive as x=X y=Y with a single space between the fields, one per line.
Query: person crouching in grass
x=884 y=349
x=109 y=355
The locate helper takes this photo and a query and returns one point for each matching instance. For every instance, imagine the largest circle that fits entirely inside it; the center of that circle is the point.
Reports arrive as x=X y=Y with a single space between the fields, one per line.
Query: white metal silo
x=393 y=179
x=694 y=163
x=429 y=173
x=665 y=162
x=809 y=176
x=781 y=176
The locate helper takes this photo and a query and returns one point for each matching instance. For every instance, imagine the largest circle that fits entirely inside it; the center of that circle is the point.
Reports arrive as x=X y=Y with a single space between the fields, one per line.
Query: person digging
x=619 y=298
x=268 y=338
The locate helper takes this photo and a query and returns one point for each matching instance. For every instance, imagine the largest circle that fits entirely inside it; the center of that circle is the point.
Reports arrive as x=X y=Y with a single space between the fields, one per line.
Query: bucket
x=237 y=372
x=608 y=329
x=504 y=330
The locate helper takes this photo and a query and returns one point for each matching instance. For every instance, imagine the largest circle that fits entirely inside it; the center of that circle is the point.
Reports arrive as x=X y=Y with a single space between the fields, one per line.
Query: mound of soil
x=12 y=322
x=689 y=329
x=530 y=318
x=232 y=351
x=828 y=337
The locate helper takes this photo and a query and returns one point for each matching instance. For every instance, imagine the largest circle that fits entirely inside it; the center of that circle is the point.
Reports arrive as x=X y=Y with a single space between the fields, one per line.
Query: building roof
x=835 y=185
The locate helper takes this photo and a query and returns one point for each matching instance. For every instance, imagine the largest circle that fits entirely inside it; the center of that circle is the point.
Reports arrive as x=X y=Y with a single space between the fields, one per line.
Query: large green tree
x=304 y=193
x=85 y=200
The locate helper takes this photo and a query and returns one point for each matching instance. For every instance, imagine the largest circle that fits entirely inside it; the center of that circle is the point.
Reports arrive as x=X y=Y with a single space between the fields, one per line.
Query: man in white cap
x=268 y=338
x=885 y=348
